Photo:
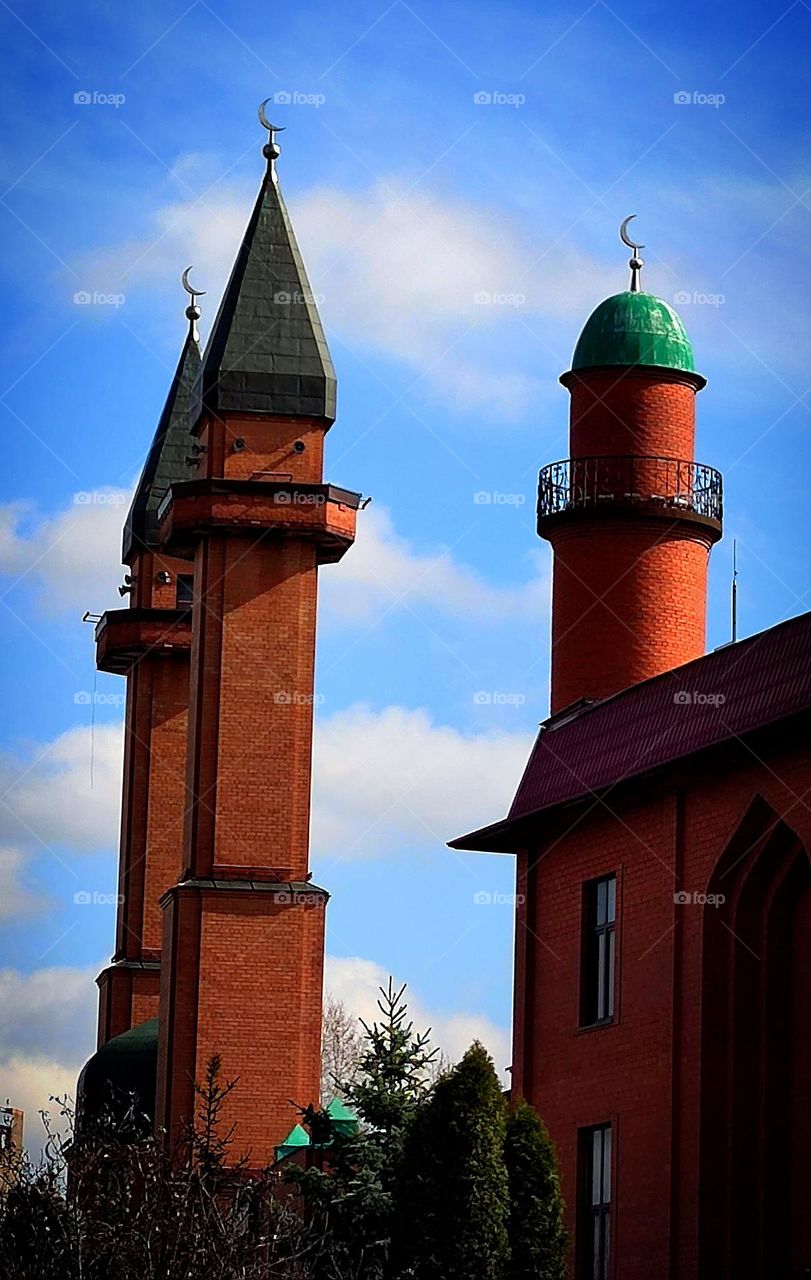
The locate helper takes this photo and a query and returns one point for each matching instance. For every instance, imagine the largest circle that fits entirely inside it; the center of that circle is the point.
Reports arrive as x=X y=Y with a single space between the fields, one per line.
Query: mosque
x=661 y=829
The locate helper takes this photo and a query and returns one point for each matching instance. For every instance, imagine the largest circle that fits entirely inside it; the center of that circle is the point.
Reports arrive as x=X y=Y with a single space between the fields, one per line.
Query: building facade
x=220 y=939
x=662 y=832
x=12 y=1124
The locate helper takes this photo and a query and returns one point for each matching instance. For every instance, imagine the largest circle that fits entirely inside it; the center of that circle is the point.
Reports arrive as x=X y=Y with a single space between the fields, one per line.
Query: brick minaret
x=243 y=939
x=149 y=642
x=630 y=515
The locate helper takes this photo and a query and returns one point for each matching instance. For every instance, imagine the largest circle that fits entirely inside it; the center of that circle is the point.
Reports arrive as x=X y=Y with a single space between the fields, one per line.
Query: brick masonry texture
x=704 y=1071
x=242 y=970
x=651 y=1072
x=627 y=412
x=628 y=593
x=628 y=602
x=154 y=787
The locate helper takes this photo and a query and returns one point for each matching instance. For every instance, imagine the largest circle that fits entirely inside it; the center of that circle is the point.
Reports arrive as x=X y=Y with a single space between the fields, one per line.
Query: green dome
x=122 y=1070
x=634 y=329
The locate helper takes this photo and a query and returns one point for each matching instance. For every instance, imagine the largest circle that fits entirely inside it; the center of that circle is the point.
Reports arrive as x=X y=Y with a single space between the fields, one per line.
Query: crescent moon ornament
x=263 y=120
x=624 y=237
x=184 y=279
x=271 y=150
x=636 y=264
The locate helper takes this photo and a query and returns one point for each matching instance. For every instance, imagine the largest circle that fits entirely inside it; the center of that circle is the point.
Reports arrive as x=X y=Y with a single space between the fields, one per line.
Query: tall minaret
x=630 y=515
x=243 y=940
x=149 y=642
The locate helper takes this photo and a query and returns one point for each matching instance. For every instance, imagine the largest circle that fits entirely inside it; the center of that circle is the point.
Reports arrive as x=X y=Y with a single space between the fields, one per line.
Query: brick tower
x=243 y=939
x=663 y=868
x=221 y=932
x=630 y=515
x=149 y=643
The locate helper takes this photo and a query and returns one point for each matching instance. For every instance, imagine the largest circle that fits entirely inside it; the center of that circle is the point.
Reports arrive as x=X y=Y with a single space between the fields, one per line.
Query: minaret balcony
x=125 y=636
x=629 y=486
x=196 y=508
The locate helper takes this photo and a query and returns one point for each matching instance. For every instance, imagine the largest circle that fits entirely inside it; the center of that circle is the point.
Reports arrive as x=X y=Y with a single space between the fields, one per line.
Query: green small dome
x=122 y=1070
x=634 y=329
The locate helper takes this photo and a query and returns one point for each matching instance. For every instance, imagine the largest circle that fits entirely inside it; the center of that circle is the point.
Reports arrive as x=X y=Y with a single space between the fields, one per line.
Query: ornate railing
x=670 y=486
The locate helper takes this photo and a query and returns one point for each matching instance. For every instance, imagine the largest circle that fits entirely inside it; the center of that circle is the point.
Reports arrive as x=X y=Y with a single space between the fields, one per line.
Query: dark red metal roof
x=722 y=695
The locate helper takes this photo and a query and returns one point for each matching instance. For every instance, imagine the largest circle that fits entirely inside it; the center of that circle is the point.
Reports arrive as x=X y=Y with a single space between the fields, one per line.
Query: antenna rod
x=734 y=590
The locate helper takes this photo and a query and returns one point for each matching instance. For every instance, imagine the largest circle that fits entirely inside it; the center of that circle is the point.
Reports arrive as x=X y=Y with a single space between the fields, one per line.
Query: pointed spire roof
x=267 y=352
x=166 y=460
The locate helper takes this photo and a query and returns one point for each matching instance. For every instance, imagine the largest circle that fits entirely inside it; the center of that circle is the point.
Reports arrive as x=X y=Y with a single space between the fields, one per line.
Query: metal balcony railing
x=667 y=486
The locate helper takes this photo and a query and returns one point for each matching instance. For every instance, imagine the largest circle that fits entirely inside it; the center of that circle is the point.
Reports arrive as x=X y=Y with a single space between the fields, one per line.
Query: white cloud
x=206 y=233
x=356 y=983
x=446 y=286
x=384 y=780
x=30 y=1084
x=416 y=262
x=47 y=1031
x=50 y=799
x=50 y=1012
x=17 y=900
x=385 y=569
x=388 y=780
x=428 y=281
x=71 y=558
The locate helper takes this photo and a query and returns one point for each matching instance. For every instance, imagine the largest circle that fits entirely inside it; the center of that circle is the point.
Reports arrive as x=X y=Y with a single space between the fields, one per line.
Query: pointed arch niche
x=755 y=1145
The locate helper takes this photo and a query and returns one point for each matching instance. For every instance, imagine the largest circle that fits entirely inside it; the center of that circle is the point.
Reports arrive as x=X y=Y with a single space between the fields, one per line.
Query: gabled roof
x=267 y=352
x=296 y=1139
x=344 y=1122
x=720 y=696
x=166 y=460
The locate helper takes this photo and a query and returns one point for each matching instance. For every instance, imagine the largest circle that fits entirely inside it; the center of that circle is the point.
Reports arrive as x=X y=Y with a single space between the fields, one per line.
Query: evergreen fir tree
x=453 y=1203
x=538 y=1240
x=393 y=1071
x=350 y=1203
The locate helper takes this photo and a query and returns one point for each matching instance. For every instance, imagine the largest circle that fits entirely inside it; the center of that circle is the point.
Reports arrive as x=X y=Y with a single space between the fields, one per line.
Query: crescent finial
x=271 y=150
x=624 y=237
x=184 y=279
x=636 y=264
x=193 y=312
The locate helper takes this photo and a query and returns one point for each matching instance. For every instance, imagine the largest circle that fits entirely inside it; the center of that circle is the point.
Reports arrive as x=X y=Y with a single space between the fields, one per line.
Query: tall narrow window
x=595 y=1225
x=599 y=919
x=185 y=590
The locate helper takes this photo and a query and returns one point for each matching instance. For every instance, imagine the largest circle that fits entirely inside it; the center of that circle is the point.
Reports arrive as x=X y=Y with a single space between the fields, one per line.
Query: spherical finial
x=271 y=150
x=636 y=264
x=193 y=312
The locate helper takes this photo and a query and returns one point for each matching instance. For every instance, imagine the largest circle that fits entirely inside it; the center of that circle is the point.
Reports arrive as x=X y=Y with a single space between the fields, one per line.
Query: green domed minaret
x=633 y=329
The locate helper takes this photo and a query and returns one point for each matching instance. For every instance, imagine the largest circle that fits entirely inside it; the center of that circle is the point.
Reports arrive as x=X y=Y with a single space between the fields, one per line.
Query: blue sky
x=457 y=245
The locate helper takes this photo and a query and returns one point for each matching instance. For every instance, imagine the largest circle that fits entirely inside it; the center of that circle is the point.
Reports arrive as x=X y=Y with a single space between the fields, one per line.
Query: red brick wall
x=154 y=797
x=167 y=788
x=154 y=789
x=148 y=592
x=242 y=970
x=267 y=445
x=626 y=412
x=628 y=602
x=253 y=660
x=248 y=973
x=629 y=594
x=643 y=1073
x=127 y=997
